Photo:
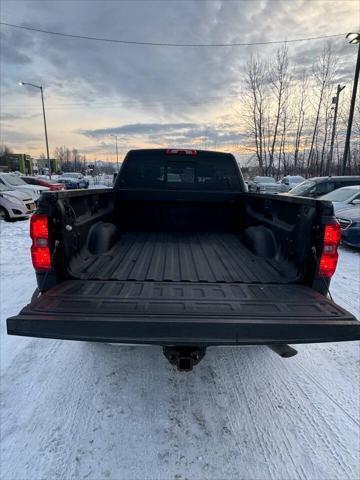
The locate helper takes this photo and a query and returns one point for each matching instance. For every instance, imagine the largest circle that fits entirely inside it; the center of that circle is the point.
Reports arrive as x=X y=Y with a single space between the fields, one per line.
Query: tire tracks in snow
x=320 y=424
x=57 y=434
x=328 y=394
x=264 y=411
x=241 y=424
x=241 y=396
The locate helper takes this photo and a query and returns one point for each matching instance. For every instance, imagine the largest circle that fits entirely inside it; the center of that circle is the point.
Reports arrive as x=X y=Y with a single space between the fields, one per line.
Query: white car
x=14 y=204
x=344 y=197
x=14 y=181
x=75 y=178
x=290 y=181
x=264 y=185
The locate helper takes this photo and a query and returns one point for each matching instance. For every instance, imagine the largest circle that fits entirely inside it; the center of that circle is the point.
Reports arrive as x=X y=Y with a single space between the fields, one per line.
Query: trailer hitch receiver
x=184 y=358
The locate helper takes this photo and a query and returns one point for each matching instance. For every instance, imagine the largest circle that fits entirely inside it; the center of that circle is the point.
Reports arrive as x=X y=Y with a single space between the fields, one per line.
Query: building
x=16 y=162
x=41 y=165
x=35 y=167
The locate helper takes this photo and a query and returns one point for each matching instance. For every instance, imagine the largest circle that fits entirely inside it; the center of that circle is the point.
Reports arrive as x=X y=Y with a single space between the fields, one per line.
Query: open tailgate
x=184 y=313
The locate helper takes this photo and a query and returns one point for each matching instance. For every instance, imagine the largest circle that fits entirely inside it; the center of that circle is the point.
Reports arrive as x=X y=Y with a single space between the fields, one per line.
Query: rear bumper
x=19 y=213
x=183 y=313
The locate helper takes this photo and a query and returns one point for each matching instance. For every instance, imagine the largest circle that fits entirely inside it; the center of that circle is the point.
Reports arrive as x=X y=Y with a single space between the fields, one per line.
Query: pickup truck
x=179 y=254
x=264 y=185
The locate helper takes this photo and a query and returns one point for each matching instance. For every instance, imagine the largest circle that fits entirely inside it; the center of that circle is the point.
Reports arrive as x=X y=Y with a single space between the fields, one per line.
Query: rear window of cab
x=180 y=172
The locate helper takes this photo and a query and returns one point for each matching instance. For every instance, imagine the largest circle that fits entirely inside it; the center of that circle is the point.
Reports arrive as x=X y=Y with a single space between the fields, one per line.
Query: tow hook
x=184 y=358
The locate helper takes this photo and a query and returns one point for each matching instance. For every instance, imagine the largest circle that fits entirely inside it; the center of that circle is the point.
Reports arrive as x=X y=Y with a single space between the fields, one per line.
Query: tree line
x=70 y=159
x=289 y=113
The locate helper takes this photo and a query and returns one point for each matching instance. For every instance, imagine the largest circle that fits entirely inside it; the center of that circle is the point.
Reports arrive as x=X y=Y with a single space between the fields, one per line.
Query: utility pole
x=336 y=102
x=355 y=39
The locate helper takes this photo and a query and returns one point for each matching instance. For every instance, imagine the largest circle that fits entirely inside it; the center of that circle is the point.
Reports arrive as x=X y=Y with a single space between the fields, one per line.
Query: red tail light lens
x=332 y=234
x=176 y=151
x=56 y=186
x=39 y=227
x=40 y=258
x=40 y=251
x=329 y=256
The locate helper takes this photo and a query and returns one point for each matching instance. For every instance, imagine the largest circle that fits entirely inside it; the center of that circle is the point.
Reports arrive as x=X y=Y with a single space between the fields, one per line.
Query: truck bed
x=180 y=257
x=182 y=264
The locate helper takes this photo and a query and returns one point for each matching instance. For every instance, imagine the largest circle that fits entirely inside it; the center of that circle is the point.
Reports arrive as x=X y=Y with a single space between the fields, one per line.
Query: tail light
x=329 y=256
x=40 y=251
x=57 y=186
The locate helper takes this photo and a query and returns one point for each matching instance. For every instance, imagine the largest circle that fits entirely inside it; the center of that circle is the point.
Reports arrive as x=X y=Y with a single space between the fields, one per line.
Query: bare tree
x=255 y=103
x=289 y=117
x=324 y=158
x=70 y=159
x=4 y=150
x=60 y=154
x=75 y=158
x=282 y=147
x=279 y=80
x=323 y=74
x=300 y=105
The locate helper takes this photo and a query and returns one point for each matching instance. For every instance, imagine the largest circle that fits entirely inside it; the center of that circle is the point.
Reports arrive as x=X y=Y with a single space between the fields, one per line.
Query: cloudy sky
x=149 y=95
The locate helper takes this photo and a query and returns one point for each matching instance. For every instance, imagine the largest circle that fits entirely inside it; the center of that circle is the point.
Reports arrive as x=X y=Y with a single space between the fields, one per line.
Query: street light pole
x=46 y=135
x=336 y=98
x=355 y=39
x=44 y=117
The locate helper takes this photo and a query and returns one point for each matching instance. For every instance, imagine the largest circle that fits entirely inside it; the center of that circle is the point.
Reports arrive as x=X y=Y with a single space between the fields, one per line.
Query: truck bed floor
x=201 y=257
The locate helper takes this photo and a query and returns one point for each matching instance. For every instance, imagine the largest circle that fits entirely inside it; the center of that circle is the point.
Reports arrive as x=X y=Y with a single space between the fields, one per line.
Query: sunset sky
x=149 y=95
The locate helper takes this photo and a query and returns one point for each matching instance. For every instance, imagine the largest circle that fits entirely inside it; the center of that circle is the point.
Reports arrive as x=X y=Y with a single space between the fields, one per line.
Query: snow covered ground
x=94 y=411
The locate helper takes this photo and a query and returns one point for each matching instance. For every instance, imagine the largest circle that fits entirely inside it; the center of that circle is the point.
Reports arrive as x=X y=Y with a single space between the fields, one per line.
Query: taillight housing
x=40 y=251
x=329 y=255
x=57 y=186
x=177 y=151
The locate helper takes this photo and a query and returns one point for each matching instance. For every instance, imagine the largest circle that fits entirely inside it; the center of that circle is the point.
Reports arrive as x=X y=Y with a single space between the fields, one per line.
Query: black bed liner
x=192 y=257
x=203 y=314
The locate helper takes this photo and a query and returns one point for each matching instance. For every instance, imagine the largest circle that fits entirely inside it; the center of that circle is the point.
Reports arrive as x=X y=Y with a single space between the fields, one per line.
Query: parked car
x=343 y=196
x=51 y=184
x=349 y=219
x=264 y=185
x=69 y=184
x=319 y=186
x=74 y=178
x=290 y=181
x=14 y=204
x=178 y=254
x=14 y=181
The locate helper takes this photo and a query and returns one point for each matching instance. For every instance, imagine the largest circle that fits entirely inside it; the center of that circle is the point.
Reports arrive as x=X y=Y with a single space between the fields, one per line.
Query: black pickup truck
x=179 y=254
